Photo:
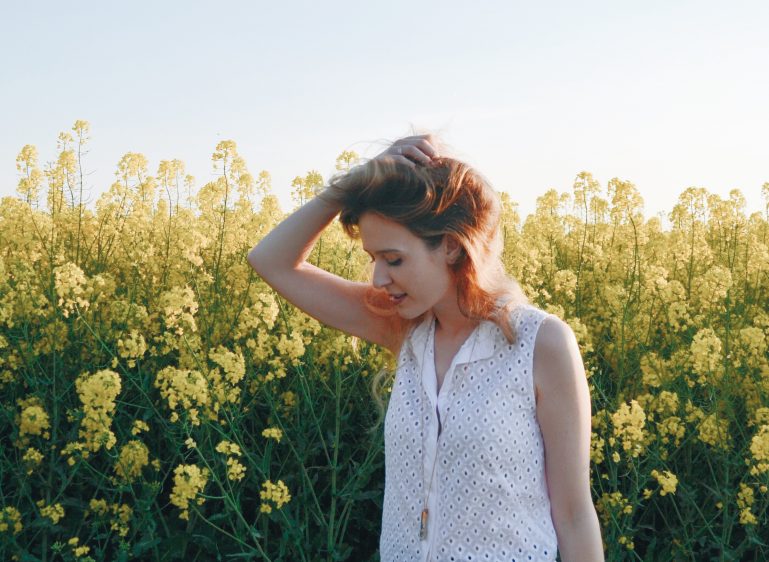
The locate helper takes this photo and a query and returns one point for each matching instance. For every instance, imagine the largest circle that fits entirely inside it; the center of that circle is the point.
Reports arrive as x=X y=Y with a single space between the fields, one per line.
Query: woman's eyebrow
x=385 y=251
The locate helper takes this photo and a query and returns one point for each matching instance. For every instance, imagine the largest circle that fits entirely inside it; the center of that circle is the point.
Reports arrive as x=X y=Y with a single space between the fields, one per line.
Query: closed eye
x=390 y=263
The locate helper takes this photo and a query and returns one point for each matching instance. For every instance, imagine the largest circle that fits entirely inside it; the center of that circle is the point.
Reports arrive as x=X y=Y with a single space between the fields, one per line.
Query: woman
x=487 y=433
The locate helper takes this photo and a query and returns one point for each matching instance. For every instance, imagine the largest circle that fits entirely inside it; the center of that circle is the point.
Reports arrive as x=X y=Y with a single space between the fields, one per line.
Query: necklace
x=425 y=512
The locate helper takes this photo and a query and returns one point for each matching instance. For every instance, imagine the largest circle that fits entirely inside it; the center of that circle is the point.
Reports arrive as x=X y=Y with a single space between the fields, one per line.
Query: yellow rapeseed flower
x=132 y=347
x=666 y=403
x=289 y=399
x=671 y=428
x=122 y=514
x=189 y=482
x=99 y=507
x=752 y=347
x=275 y=493
x=72 y=449
x=759 y=450
x=273 y=433
x=179 y=308
x=139 y=426
x=291 y=348
x=712 y=287
x=255 y=322
x=627 y=542
x=32 y=458
x=70 y=285
x=667 y=481
x=34 y=421
x=10 y=520
x=565 y=284
x=233 y=363
x=714 y=432
x=223 y=381
x=745 y=499
x=613 y=504
x=706 y=355
x=597 y=445
x=54 y=512
x=98 y=393
x=186 y=390
x=679 y=317
x=235 y=470
x=629 y=421
x=134 y=456
x=78 y=551
x=228 y=448
x=760 y=417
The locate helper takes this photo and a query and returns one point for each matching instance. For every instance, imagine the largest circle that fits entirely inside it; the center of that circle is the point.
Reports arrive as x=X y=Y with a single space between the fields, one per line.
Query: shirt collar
x=484 y=348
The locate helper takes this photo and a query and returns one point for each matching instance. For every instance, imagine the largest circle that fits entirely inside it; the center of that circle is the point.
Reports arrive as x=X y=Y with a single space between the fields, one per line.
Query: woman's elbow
x=255 y=259
x=574 y=512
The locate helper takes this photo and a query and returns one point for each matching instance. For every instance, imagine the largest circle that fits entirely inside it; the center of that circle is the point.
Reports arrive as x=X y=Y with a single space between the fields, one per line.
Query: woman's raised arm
x=280 y=259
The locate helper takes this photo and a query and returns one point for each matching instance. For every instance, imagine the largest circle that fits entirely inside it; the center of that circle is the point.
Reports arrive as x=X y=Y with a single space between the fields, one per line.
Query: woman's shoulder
x=526 y=312
x=531 y=324
x=557 y=359
x=547 y=332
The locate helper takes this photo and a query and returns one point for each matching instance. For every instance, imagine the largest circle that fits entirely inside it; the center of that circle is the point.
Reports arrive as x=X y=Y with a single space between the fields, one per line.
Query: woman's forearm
x=579 y=538
x=289 y=243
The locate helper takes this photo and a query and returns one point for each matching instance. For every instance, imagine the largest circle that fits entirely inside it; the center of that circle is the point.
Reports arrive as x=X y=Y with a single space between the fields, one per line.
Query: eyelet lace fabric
x=488 y=498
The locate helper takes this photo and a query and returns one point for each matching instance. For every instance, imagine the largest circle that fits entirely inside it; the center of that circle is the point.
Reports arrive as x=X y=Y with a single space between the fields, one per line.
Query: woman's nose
x=381 y=277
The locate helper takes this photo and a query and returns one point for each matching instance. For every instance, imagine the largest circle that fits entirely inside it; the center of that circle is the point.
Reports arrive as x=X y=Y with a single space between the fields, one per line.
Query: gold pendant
x=423 y=525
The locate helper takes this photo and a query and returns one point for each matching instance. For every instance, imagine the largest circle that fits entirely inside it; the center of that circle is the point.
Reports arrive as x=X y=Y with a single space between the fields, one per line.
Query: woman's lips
x=397 y=299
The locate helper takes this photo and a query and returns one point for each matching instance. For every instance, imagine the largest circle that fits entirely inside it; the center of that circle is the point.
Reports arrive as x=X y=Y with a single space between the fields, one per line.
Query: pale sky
x=665 y=94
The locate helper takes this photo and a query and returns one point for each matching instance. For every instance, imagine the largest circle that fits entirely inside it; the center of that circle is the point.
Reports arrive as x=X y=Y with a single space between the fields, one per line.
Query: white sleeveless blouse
x=488 y=498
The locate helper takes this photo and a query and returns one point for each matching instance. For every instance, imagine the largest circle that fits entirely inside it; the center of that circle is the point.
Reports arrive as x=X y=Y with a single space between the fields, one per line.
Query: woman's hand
x=419 y=149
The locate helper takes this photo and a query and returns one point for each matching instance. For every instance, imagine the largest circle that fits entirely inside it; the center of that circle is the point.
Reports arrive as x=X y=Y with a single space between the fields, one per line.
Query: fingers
x=418 y=149
x=425 y=143
x=397 y=158
x=416 y=153
x=428 y=145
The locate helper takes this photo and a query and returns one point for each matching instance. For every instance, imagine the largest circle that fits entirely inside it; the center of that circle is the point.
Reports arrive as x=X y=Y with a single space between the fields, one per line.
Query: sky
x=665 y=94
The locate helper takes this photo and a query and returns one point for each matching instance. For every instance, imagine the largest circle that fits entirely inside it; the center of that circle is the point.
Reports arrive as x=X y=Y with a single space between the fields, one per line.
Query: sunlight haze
x=666 y=95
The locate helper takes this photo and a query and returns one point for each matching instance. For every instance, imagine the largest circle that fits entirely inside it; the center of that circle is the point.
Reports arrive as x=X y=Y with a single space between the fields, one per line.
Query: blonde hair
x=447 y=198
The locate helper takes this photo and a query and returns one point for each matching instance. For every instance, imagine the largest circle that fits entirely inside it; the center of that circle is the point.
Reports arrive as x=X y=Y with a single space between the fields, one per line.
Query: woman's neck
x=453 y=326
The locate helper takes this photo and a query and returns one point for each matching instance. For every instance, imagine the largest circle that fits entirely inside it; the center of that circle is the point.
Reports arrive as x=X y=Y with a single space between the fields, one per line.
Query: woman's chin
x=408 y=312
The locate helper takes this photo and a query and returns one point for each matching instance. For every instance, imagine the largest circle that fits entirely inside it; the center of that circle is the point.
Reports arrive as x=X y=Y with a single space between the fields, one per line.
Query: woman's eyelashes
x=395 y=262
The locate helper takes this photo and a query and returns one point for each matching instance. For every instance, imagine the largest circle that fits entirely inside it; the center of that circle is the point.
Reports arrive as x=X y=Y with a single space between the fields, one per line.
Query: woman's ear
x=454 y=250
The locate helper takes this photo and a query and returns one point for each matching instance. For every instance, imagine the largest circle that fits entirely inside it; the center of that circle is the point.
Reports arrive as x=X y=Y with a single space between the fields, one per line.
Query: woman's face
x=417 y=278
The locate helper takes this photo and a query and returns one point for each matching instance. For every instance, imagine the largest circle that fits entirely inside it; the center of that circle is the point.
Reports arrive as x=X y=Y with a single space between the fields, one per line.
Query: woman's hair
x=446 y=198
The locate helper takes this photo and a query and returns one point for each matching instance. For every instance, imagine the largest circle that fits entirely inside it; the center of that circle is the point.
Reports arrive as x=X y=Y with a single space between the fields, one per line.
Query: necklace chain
x=424 y=515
